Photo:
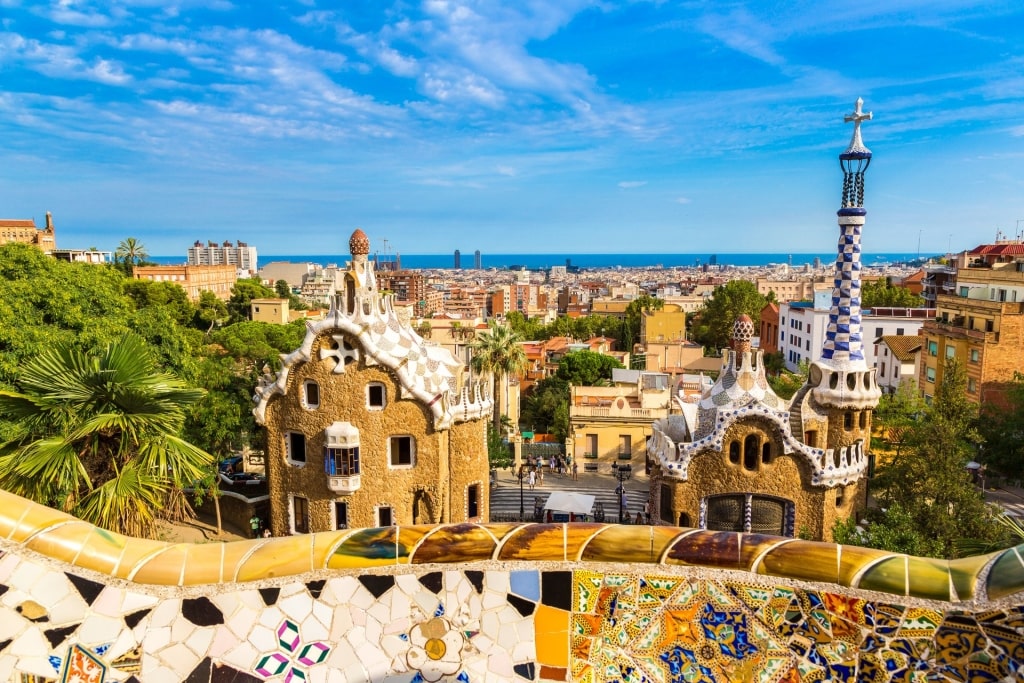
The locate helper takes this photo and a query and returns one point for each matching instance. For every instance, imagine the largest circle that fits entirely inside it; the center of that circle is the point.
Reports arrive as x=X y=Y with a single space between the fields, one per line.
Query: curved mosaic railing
x=511 y=601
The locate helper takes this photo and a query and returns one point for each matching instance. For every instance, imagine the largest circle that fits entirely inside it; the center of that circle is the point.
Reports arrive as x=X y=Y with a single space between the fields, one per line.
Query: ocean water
x=545 y=261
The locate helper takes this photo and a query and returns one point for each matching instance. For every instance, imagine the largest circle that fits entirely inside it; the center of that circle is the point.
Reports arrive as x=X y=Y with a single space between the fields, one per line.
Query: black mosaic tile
x=432 y=582
x=556 y=589
x=201 y=674
x=522 y=605
x=315 y=588
x=4 y=589
x=201 y=612
x=89 y=590
x=4 y=644
x=222 y=673
x=132 y=620
x=527 y=671
x=477 y=579
x=377 y=585
x=56 y=636
x=269 y=595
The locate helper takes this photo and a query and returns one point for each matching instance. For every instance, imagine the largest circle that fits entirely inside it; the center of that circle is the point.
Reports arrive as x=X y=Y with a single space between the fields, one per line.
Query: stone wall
x=496 y=602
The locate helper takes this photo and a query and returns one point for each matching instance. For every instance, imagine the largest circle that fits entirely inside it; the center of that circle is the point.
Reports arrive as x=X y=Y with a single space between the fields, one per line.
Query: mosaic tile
x=453 y=543
x=1007 y=574
x=535 y=542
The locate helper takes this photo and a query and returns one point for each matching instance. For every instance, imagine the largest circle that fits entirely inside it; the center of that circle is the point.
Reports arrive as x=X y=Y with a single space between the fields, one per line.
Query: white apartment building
x=896 y=360
x=240 y=255
x=802 y=327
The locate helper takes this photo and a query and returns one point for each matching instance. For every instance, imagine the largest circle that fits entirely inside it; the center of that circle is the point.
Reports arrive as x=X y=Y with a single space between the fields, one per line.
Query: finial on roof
x=359 y=243
x=857 y=117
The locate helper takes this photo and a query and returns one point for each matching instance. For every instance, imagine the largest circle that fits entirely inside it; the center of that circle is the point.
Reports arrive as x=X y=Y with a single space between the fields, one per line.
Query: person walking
x=575 y=471
x=647 y=511
x=254 y=523
x=532 y=479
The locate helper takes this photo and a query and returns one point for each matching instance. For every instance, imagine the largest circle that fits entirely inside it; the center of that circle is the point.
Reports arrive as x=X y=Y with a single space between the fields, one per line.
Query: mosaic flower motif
x=435 y=649
x=293 y=657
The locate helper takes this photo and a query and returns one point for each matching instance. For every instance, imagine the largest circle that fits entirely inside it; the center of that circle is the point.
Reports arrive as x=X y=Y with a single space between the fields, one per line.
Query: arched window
x=734 y=452
x=848 y=420
x=684 y=519
x=766 y=452
x=863 y=419
x=751 y=451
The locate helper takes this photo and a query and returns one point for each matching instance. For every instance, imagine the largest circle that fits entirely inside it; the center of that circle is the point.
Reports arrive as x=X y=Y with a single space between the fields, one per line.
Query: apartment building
x=24 y=230
x=193 y=279
x=240 y=255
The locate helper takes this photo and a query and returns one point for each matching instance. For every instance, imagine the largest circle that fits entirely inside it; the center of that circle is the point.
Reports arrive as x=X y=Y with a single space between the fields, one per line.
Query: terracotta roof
x=17 y=223
x=1014 y=249
x=903 y=346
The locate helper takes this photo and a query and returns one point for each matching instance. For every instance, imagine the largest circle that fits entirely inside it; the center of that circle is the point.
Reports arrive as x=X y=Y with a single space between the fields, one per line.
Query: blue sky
x=510 y=127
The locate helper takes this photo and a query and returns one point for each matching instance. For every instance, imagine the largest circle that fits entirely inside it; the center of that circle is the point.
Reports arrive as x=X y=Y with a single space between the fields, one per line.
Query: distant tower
x=841 y=384
x=458 y=259
x=477 y=263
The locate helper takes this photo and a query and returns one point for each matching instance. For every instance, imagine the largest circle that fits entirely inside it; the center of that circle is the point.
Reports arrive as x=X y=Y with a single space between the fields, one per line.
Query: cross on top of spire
x=857 y=117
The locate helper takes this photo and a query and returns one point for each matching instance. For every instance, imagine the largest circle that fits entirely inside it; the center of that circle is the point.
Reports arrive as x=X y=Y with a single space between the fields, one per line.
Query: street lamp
x=621 y=474
x=521 y=475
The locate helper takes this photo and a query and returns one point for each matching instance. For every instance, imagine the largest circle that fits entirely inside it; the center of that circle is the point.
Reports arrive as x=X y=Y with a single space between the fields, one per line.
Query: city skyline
x=629 y=127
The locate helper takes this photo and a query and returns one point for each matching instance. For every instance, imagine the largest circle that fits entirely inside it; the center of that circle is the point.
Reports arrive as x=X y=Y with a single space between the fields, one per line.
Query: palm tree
x=498 y=351
x=97 y=436
x=131 y=252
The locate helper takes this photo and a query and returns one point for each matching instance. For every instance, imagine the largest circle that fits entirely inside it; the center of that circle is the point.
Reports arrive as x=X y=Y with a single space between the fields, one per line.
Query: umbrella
x=566 y=501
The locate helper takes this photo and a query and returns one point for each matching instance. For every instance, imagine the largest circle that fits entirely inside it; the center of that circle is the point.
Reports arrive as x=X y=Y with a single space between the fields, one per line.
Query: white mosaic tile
x=297 y=607
x=11 y=623
x=133 y=602
x=199 y=642
x=100 y=629
x=155 y=638
x=165 y=613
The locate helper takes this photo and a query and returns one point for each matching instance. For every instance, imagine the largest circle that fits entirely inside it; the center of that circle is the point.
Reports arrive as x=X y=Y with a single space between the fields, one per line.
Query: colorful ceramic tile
x=535 y=542
x=620 y=543
x=453 y=543
x=1007 y=574
x=708 y=548
x=802 y=560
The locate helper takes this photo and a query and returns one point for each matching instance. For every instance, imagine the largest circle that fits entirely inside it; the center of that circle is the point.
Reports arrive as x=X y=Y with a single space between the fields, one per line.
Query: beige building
x=367 y=425
x=896 y=360
x=24 y=230
x=269 y=310
x=193 y=279
x=610 y=425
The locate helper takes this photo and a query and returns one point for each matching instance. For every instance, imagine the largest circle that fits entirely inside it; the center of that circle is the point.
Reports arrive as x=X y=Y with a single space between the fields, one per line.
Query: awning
x=566 y=501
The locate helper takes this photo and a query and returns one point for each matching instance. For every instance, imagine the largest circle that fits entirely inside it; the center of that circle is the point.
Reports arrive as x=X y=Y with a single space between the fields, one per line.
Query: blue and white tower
x=841 y=379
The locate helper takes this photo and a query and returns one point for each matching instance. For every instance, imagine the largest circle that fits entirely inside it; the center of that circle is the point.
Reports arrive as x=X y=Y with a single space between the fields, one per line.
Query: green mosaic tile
x=1007 y=575
x=888 y=576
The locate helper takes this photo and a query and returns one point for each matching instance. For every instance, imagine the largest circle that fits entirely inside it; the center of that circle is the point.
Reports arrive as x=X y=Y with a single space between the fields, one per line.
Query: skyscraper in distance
x=458 y=259
x=476 y=260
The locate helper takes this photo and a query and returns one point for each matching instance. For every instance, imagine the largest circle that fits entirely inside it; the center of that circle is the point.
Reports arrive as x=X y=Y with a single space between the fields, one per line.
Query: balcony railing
x=953 y=330
x=590 y=456
x=346 y=484
x=625 y=456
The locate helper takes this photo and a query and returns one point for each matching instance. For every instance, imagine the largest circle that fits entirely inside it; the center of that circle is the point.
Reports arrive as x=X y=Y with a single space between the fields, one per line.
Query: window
x=625 y=446
x=766 y=452
x=808 y=347
x=341 y=515
x=933 y=348
x=975 y=355
x=665 y=503
x=883 y=367
x=473 y=501
x=811 y=438
x=899 y=331
x=401 y=452
x=840 y=492
x=384 y=516
x=929 y=374
x=950 y=351
x=878 y=332
x=341 y=462
x=376 y=396
x=848 y=420
x=731 y=512
x=300 y=515
x=311 y=394
x=295 y=447
x=751 y=448
x=863 y=419
x=972 y=386
x=734 y=452
x=989 y=325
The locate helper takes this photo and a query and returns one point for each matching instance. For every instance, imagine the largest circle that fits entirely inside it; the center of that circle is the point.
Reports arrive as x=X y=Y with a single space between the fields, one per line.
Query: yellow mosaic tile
x=62 y=542
x=452 y=543
x=535 y=542
x=964 y=573
x=163 y=568
x=754 y=546
x=802 y=560
x=618 y=543
x=929 y=578
x=277 y=557
x=366 y=548
x=135 y=552
x=101 y=551
x=551 y=626
x=888 y=576
x=578 y=535
x=500 y=531
x=854 y=559
x=203 y=564
x=21 y=518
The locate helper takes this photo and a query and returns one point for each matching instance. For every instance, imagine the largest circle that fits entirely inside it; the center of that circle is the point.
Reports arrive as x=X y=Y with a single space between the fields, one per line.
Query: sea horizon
x=584 y=261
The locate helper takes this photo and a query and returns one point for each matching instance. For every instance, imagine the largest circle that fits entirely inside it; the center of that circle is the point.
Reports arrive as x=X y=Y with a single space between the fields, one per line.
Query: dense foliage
x=928 y=504
x=1002 y=427
x=546 y=408
x=712 y=325
x=874 y=293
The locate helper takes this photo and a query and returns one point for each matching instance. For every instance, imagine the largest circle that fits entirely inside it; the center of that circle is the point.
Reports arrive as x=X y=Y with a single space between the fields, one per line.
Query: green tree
x=785 y=384
x=209 y=311
x=498 y=351
x=587 y=368
x=875 y=293
x=98 y=436
x=713 y=324
x=499 y=451
x=1002 y=426
x=242 y=294
x=897 y=413
x=927 y=484
x=543 y=402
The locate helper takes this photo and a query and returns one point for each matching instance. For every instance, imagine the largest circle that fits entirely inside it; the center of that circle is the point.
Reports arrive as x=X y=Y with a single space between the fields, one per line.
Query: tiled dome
x=359 y=243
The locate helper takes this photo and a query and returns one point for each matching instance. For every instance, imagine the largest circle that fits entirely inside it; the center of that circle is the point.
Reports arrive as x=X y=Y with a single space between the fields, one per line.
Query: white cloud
x=629 y=184
x=682 y=200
